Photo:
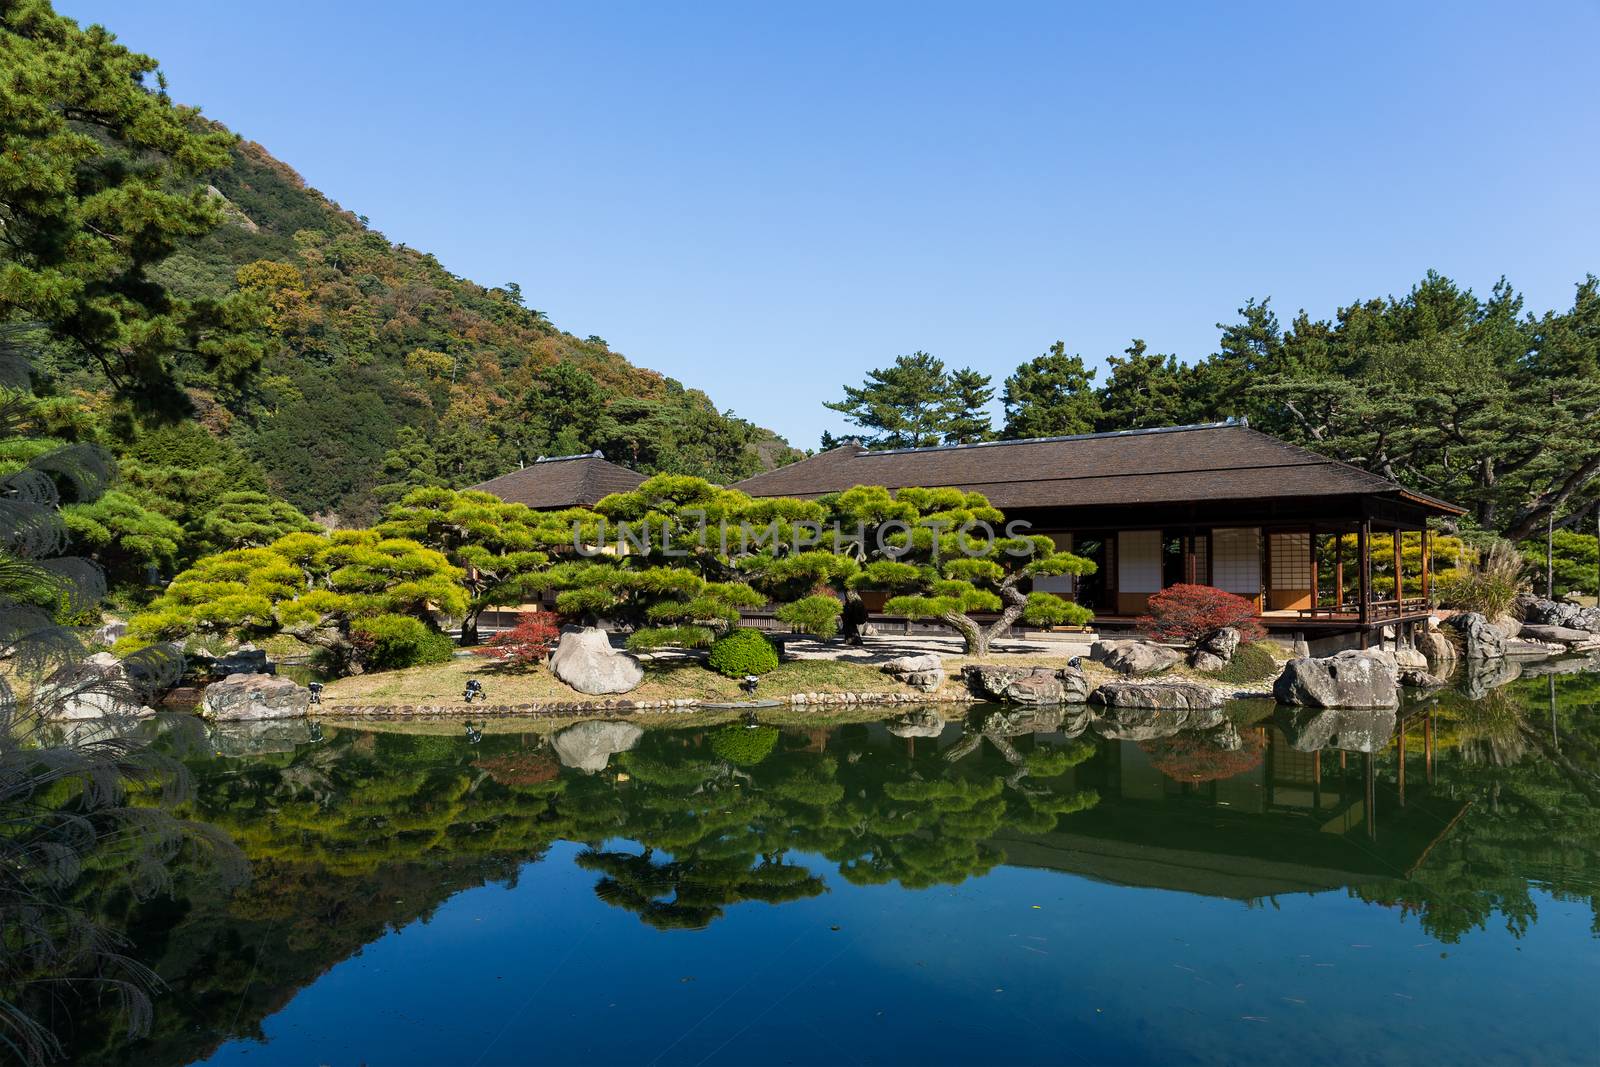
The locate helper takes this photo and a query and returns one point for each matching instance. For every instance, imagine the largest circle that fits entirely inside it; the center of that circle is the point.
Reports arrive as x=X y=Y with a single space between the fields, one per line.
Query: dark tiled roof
x=1177 y=464
x=563 y=482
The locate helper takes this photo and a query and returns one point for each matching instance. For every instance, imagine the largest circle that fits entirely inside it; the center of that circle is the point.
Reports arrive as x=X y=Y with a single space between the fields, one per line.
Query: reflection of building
x=1295 y=822
x=1217 y=504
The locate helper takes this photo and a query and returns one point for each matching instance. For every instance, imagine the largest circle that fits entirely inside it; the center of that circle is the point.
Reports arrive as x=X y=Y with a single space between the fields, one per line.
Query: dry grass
x=669 y=680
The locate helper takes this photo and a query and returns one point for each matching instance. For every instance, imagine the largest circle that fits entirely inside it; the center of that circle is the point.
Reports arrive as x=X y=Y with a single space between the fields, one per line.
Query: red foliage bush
x=1189 y=612
x=528 y=642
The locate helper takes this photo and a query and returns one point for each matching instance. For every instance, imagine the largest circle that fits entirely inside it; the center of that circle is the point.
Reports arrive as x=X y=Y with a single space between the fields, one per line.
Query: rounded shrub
x=744 y=651
x=391 y=642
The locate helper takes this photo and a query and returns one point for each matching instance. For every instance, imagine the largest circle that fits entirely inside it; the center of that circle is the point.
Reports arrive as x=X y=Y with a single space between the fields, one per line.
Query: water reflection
x=1453 y=811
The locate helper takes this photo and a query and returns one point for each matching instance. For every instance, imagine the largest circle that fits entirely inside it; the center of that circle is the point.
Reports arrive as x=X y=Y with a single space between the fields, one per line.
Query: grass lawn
x=668 y=680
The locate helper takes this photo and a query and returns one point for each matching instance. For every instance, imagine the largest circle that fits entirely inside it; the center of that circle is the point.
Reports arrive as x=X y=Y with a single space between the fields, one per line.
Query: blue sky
x=765 y=201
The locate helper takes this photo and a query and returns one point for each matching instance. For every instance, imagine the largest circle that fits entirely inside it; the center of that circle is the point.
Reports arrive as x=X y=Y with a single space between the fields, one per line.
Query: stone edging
x=623 y=706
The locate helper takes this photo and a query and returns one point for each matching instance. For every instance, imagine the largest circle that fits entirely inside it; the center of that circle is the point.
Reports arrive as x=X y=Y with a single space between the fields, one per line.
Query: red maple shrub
x=527 y=643
x=1187 y=613
x=1192 y=757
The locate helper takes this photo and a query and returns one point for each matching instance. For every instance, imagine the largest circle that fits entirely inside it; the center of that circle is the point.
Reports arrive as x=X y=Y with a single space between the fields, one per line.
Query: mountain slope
x=390 y=371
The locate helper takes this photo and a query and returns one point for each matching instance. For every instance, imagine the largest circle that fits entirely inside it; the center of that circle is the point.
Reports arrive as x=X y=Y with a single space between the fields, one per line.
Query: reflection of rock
x=1351 y=679
x=924 y=723
x=1482 y=676
x=588 y=746
x=1145 y=723
x=95 y=687
x=257 y=737
x=1028 y=685
x=1134 y=657
x=255 y=696
x=1564 y=665
x=1173 y=696
x=1019 y=721
x=1343 y=729
x=585 y=660
x=924 y=672
x=1479 y=639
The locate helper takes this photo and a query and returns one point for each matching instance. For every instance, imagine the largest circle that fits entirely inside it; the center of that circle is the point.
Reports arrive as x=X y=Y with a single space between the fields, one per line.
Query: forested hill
x=385 y=370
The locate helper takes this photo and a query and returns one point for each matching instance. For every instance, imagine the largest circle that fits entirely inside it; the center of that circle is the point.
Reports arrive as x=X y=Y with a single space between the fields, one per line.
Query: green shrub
x=744 y=651
x=391 y=642
x=743 y=746
x=1250 y=663
x=817 y=615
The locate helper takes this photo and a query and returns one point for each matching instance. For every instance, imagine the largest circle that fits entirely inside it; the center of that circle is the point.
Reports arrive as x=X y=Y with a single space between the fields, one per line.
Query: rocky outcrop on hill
x=1170 y=696
x=254 y=696
x=1028 y=685
x=924 y=672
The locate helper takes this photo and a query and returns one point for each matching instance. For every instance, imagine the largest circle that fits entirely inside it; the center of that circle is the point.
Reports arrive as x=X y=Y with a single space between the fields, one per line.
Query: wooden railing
x=1377 y=609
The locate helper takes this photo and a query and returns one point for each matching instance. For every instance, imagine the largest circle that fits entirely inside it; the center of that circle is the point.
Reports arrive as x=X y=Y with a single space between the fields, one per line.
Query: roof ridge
x=596 y=454
x=1228 y=423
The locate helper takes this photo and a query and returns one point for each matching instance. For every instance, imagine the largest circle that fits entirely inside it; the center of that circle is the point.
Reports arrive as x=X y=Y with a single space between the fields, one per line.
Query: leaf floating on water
x=1253 y=1018
x=1292 y=1000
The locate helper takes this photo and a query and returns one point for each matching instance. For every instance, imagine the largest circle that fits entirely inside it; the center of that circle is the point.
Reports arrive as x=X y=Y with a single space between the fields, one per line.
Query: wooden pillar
x=1399 y=576
x=1427 y=564
x=1369 y=773
x=1338 y=570
x=1364 y=563
x=1316 y=565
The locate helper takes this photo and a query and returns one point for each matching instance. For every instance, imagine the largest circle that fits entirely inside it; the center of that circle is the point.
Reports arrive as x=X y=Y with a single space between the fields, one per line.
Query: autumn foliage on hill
x=1187 y=613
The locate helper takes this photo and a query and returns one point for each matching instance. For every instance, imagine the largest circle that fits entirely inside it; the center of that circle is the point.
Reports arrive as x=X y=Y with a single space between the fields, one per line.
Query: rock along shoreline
x=560 y=709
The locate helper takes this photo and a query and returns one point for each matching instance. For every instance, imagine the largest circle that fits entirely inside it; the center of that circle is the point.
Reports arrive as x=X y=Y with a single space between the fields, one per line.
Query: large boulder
x=1171 y=696
x=924 y=672
x=1351 y=679
x=1437 y=651
x=1479 y=639
x=244 y=697
x=1578 y=640
x=1034 y=686
x=589 y=746
x=1134 y=657
x=585 y=660
x=1342 y=729
x=95 y=687
x=1540 y=611
x=1139 y=722
x=1222 y=643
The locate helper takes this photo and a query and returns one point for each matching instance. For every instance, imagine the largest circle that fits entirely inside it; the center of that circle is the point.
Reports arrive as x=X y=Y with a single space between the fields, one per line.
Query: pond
x=1003 y=887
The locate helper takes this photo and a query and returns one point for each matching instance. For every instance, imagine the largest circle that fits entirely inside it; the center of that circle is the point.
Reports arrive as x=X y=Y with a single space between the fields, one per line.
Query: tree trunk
x=977 y=641
x=469 y=626
x=1015 y=605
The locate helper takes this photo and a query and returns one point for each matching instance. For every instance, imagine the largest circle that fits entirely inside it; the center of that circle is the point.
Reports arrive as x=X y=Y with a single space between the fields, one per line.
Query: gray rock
x=1479 y=640
x=1560 y=635
x=1138 y=722
x=1170 y=696
x=110 y=633
x=585 y=660
x=924 y=672
x=1419 y=678
x=1405 y=657
x=1134 y=657
x=1035 y=686
x=1437 y=651
x=257 y=737
x=1222 y=644
x=924 y=723
x=254 y=696
x=589 y=746
x=1350 y=679
x=95 y=687
x=1342 y=729
x=1202 y=660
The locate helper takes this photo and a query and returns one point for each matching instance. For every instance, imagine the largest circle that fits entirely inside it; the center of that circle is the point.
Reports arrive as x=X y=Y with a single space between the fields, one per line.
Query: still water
x=1001 y=887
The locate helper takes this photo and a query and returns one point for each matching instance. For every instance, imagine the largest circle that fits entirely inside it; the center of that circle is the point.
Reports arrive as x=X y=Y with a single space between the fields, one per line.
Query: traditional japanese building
x=551 y=483
x=1215 y=504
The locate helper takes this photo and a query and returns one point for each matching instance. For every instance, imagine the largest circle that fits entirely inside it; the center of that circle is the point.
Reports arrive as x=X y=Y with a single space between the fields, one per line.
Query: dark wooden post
x=1427 y=563
x=1316 y=564
x=1399 y=577
x=1401 y=772
x=1364 y=562
x=1338 y=569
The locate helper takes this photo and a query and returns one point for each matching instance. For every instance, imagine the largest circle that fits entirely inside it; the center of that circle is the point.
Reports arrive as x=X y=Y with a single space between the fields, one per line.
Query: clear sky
x=767 y=200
